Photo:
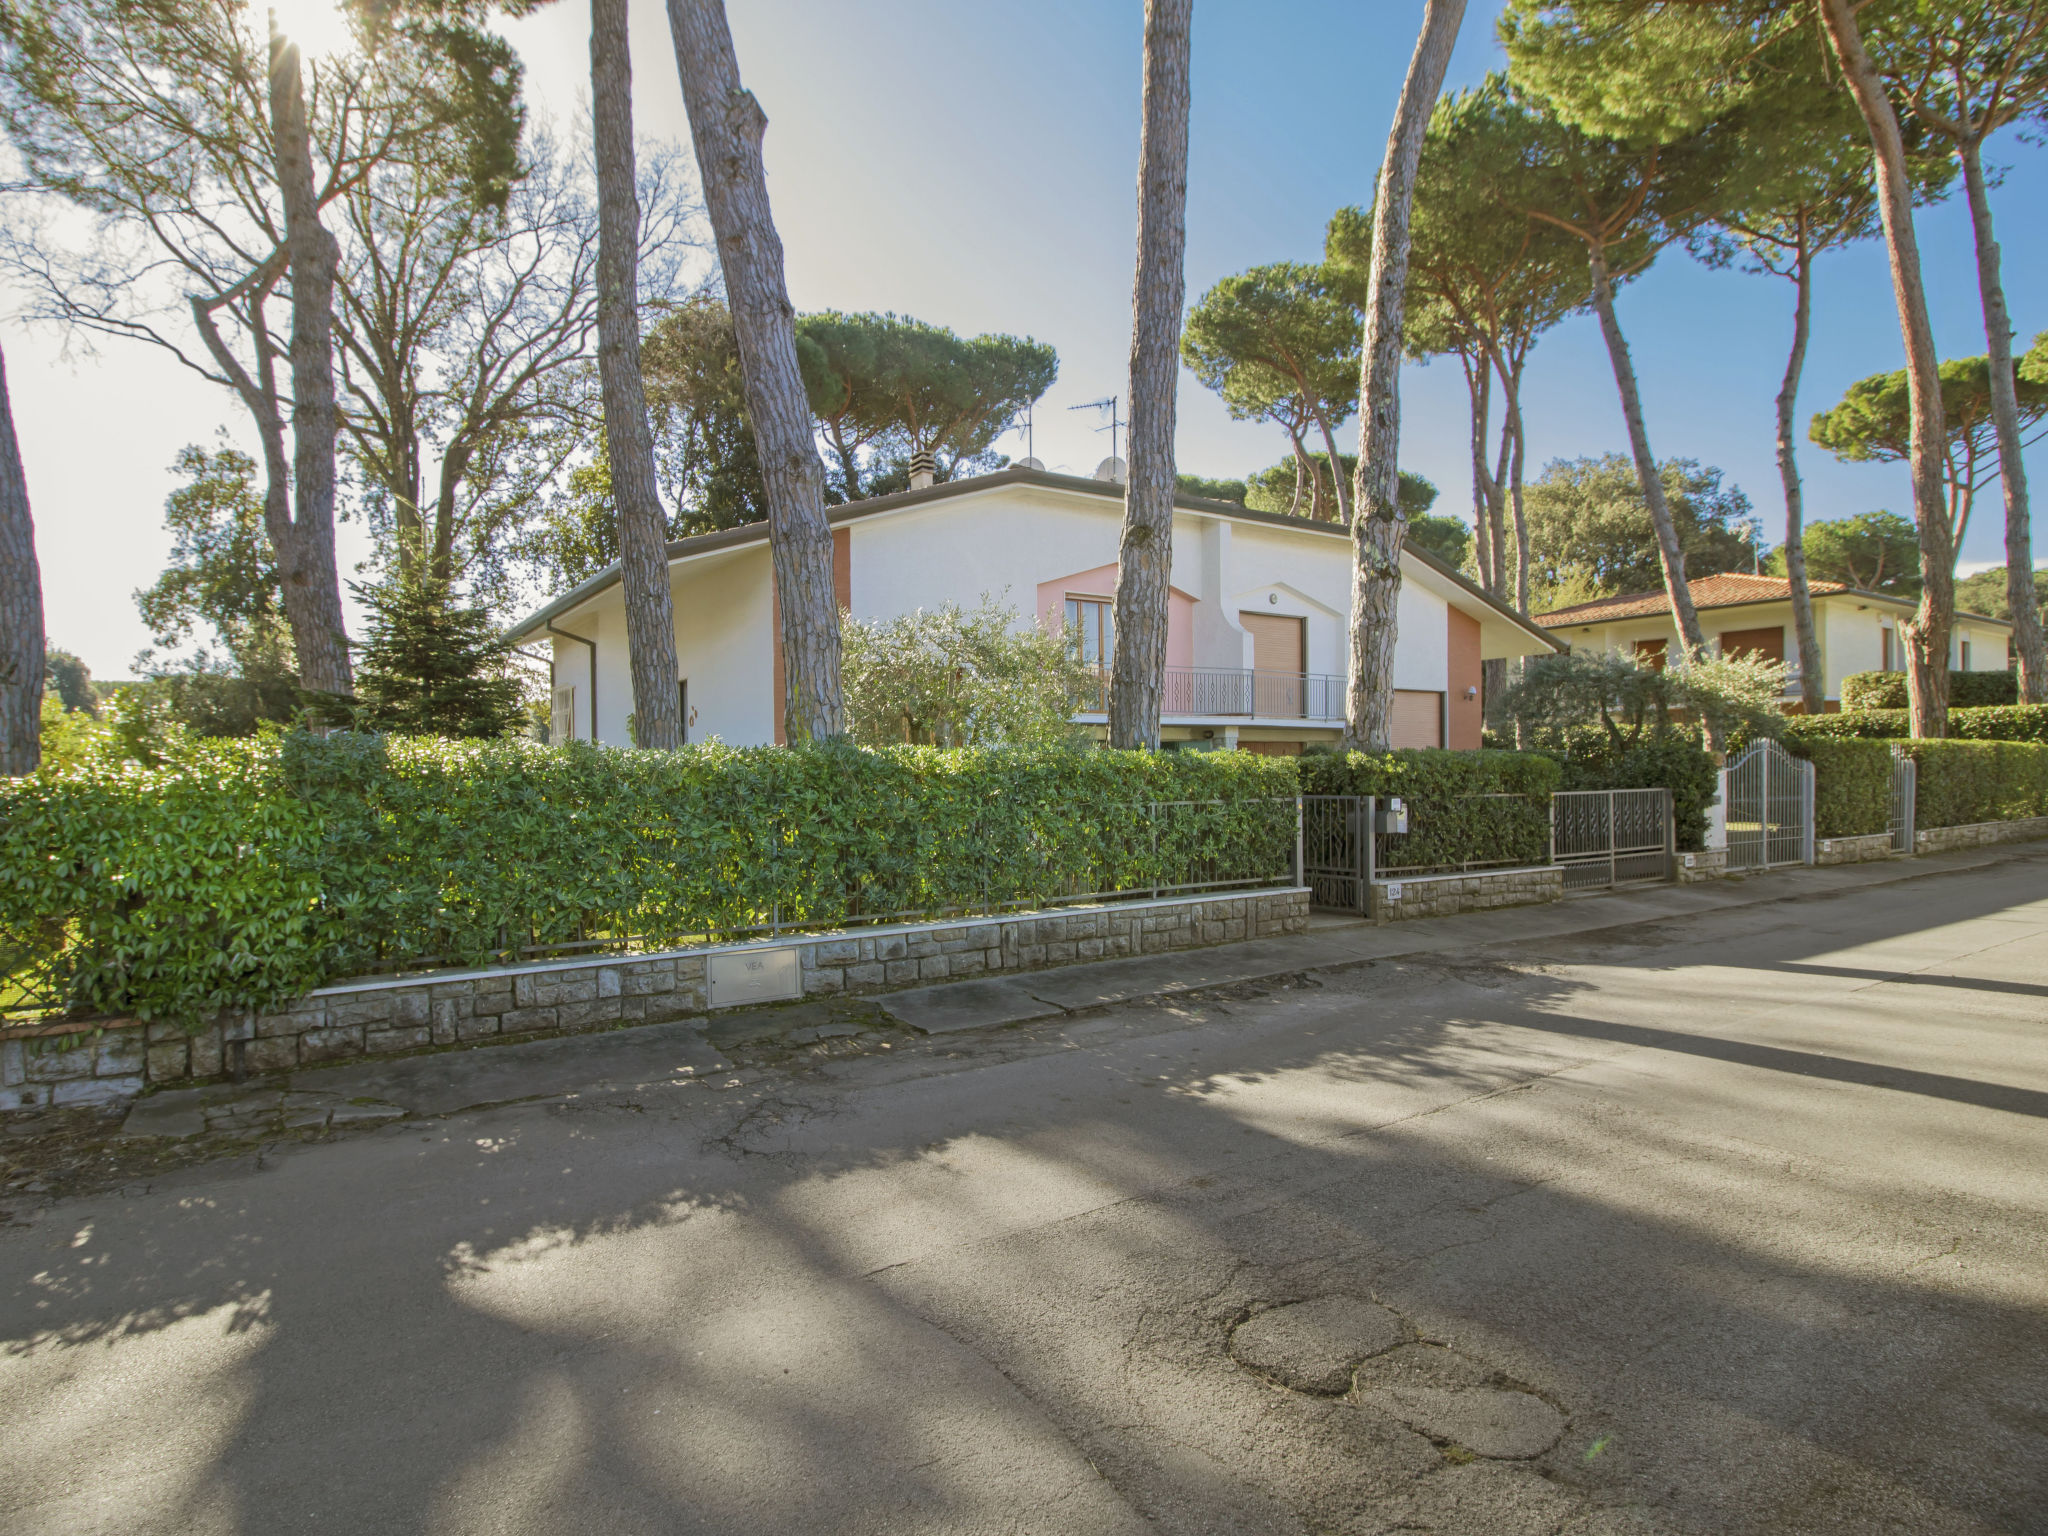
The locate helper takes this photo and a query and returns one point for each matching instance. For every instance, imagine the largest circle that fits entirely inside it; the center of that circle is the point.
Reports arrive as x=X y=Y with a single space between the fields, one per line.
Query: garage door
x=1418 y=718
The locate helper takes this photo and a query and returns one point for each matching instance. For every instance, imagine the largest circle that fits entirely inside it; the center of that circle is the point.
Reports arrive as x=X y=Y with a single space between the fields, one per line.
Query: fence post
x=1368 y=851
x=1807 y=797
x=1300 y=863
x=1153 y=819
x=1613 y=837
x=1670 y=837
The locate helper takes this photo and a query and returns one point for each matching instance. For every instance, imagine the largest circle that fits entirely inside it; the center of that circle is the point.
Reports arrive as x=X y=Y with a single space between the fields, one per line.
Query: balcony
x=1220 y=693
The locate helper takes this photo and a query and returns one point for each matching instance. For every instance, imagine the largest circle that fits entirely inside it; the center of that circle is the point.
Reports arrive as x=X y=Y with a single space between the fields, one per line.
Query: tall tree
x=1591 y=533
x=21 y=608
x=727 y=124
x=1628 y=160
x=629 y=443
x=1144 y=565
x=1378 y=521
x=1871 y=551
x=204 y=166
x=1967 y=68
x=1873 y=423
x=1279 y=343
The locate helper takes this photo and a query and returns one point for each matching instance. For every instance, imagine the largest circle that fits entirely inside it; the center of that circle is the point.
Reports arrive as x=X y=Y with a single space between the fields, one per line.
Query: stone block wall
x=1979 y=834
x=1853 y=850
x=1706 y=864
x=1441 y=895
x=388 y=1017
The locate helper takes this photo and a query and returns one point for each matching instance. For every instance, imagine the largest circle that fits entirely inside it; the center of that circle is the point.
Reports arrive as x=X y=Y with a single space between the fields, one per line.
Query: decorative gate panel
x=1905 y=785
x=1336 y=850
x=1605 y=837
x=1770 y=808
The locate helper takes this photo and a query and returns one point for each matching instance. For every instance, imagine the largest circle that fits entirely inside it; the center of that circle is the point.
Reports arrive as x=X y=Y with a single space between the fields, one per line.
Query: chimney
x=924 y=469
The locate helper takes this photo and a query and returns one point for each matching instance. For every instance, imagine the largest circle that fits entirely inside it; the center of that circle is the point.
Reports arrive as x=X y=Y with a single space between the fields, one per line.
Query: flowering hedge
x=240 y=874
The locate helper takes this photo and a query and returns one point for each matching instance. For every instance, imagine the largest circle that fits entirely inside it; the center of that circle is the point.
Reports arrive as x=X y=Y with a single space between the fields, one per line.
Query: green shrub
x=1674 y=761
x=1966 y=690
x=2009 y=722
x=1961 y=782
x=238 y=874
x=1852 y=783
x=1447 y=827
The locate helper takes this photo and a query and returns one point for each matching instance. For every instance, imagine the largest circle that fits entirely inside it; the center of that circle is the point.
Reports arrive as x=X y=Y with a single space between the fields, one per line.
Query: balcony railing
x=1221 y=692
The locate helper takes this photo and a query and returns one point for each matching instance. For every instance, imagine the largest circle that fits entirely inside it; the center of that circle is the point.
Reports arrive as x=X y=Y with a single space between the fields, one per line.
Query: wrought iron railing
x=1225 y=692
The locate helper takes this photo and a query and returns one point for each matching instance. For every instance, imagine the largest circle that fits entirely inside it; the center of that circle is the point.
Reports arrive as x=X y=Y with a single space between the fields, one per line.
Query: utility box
x=1393 y=816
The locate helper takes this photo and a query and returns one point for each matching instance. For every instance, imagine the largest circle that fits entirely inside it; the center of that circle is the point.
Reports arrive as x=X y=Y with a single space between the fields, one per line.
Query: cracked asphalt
x=1727 y=1223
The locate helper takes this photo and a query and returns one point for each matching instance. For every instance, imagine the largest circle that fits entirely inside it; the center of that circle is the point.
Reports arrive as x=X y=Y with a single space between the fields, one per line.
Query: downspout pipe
x=580 y=640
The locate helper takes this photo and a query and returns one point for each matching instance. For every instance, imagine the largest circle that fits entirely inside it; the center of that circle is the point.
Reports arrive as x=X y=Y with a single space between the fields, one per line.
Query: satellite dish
x=1111 y=469
x=1028 y=464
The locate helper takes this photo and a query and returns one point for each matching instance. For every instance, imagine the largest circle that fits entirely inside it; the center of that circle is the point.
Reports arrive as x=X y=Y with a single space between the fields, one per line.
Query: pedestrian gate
x=1769 y=800
x=1603 y=837
x=1337 y=850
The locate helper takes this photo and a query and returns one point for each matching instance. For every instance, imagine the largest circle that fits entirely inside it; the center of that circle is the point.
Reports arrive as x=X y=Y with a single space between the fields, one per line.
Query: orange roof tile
x=1723 y=591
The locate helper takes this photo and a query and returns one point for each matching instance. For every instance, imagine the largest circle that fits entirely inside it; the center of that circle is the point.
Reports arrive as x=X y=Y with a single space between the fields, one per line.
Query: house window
x=1091 y=630
x=1966 y=657
x=683 y=712
x=562 y=719
x=1652 y=654
x=1890 y=663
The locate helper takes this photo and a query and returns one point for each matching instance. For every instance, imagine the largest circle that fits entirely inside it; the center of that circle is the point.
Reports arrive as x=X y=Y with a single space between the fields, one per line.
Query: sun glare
x=317 y=26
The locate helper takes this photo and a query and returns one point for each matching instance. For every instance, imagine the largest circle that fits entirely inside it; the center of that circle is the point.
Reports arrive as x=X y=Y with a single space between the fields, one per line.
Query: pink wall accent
x=1101 y=582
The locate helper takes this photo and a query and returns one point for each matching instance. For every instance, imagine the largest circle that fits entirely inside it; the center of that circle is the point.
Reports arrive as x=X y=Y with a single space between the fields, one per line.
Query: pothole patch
x=1501 y=1426
x=1314 y=1346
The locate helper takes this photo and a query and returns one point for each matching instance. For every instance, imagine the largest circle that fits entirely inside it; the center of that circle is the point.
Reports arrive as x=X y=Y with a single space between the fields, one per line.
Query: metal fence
x=1769 y=797
x=1608 y=837
x=1237 y=692
x=1905 y=786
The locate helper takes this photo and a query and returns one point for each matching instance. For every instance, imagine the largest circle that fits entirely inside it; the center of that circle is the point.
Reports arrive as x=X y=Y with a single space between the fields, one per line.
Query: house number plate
x=753 y=976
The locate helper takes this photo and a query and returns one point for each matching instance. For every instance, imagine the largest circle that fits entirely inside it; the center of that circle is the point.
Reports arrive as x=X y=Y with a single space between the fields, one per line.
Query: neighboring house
x=1752 y=615
x=1256 y=635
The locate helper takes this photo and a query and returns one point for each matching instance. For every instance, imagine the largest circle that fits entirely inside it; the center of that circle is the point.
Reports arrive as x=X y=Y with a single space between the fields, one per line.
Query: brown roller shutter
x=1418 y=718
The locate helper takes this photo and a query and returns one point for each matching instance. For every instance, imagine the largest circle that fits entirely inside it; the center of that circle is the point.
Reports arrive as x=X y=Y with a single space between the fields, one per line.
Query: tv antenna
x=1110 y=403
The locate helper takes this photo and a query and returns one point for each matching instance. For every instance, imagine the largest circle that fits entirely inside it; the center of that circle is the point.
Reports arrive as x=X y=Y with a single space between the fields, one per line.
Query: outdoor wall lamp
x=1471 y=693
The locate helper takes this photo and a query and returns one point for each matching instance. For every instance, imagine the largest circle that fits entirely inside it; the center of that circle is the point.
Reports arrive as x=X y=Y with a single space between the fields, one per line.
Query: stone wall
x=1706 y=864
x=42 y=1065
x=1977 y=834
x=1477 y=891
x=1853 y=850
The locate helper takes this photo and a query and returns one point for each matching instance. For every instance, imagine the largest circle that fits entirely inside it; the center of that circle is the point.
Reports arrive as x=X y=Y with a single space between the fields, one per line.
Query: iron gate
x=1336 y=850
x=1770 y=808
x=1905 y=786
x=1605 y=837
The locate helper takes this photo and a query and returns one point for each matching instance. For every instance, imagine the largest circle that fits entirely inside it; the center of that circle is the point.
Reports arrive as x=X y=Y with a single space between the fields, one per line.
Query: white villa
x=1255 y=643
x=1752 y=615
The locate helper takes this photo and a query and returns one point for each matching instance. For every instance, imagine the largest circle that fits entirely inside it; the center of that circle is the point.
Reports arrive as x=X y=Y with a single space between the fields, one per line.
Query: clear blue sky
x=975 y=165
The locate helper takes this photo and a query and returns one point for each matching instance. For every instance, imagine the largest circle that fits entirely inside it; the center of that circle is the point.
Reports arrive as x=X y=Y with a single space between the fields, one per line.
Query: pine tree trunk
x=727 y=124
x=1514 y=410
x=1812 y=681
x=2005 y=416
x=307 y=568
x=1322 y=415
x=1144 y=564
x=643 y=531
x=21 y=609
x=1479 y=389
x=1378 y=525
x=1669 y=554
x=1300 y=475
x=1927 y=635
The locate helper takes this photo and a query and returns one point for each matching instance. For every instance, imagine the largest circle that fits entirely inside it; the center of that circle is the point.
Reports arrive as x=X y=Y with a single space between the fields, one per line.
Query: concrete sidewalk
x=1334 y=942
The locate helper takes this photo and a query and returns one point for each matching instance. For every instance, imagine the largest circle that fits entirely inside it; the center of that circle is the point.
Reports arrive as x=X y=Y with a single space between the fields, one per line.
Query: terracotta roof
x=1726 y=591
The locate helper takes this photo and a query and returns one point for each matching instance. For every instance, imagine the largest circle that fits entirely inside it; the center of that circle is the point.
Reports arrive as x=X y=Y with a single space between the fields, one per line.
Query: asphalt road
x=1756 y=1200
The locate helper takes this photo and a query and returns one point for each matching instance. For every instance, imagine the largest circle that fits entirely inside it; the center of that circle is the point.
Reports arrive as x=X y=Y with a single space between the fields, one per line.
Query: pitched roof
x=846 y=512
x=1724 y=591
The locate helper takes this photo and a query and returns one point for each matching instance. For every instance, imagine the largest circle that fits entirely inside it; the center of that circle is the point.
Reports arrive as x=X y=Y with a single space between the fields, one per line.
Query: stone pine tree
x=727 y=125
x=1965 y=69
x=1378 y=521
x=1145 y=556
x=21 y=609
x=1628 y=160
x=1812 y=193
x=629 y=444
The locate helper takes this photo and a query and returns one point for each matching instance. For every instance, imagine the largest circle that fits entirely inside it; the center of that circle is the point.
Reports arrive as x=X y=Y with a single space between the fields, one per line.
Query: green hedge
x=1966 y=690
x=1447 y=827
x=2010 y=722
x=239 y=874
x=1852 y=784
x=1961 y=782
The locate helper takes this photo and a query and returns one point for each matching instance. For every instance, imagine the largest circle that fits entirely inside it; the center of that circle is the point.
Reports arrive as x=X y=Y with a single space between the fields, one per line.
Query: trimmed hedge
x=1962 y=782
x=2010 y=722
x=238 y=874
x=1446 y=828
x=1966 y=690
x=1852 y=784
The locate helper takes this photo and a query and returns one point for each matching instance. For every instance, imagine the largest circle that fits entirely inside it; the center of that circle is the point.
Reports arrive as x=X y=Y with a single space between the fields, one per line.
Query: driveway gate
x=1604 y=837
x=1770 y=808
x=1336 y=850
